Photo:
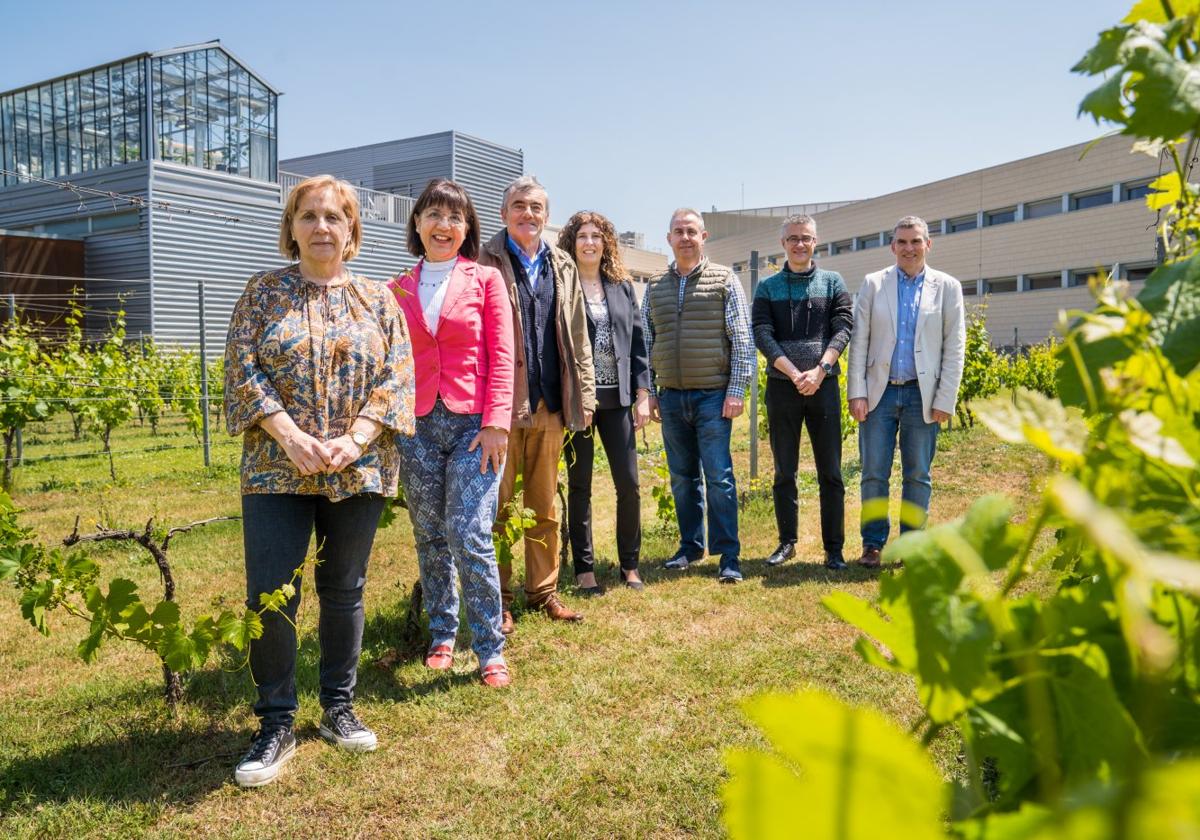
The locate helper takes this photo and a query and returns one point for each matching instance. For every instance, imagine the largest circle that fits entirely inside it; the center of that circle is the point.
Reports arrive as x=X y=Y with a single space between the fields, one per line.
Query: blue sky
x=634 y=109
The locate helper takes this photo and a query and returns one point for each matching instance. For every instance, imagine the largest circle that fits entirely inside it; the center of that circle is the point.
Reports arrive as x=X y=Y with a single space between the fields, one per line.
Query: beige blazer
x=940 y=341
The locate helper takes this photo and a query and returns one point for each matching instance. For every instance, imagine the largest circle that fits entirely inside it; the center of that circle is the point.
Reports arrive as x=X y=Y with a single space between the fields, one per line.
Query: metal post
x=12 y=319
x=204 y=381
x=754 y=379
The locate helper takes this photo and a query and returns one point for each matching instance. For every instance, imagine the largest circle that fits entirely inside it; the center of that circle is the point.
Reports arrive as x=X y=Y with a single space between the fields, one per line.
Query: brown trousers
x=533 y=453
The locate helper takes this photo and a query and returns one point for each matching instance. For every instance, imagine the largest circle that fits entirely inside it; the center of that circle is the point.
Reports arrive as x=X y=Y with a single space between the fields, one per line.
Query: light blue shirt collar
x=532 y=266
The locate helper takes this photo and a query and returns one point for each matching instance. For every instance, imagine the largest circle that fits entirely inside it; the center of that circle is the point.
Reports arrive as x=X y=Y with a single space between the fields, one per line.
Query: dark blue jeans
x=899 y=411
x=276 y=529
x=696 y=438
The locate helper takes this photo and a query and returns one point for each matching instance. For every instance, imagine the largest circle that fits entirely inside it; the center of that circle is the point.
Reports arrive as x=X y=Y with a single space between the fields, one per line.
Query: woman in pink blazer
x=460 y=322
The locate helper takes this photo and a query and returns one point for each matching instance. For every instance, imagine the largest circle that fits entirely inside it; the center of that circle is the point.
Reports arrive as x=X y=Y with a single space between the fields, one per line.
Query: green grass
x=613 y=728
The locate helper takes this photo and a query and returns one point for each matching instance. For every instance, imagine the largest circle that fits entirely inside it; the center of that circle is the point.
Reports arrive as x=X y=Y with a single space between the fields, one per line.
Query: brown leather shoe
x=870 y=558
x=507 y=625
x=556 y=610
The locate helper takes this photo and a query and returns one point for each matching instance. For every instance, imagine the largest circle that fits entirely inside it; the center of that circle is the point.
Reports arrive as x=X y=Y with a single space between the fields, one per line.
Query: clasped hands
x=312 y=455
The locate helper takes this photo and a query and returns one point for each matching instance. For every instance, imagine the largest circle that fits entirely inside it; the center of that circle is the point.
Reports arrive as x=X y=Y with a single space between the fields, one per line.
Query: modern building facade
x=165 y=165
x=1024 y=235
x=404 y=167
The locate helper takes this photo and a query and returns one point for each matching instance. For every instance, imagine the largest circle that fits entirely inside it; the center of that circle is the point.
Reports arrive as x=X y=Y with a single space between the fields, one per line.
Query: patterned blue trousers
x=452 y=507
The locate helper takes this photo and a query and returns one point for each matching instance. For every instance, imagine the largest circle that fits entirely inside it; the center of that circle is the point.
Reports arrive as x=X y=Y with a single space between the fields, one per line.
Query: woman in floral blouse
x=319 y=381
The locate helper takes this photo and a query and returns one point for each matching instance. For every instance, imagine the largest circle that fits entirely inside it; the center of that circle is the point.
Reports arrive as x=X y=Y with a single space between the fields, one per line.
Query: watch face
x=359 y=438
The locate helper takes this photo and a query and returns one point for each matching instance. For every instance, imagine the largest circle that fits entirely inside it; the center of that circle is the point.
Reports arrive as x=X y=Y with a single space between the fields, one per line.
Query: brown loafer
x=507 y=625
x=556 y=610
x=870 y=558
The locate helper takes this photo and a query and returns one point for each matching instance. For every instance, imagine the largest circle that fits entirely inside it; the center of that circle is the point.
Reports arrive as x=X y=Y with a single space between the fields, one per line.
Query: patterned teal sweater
x=800 y=315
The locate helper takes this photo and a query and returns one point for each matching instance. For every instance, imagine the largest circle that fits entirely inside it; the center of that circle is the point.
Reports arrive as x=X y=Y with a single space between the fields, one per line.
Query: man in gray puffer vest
x=697 y=330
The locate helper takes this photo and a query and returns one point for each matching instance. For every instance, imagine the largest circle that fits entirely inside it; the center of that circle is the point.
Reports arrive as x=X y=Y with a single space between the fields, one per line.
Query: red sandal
x=496 y=675
x=440 y=658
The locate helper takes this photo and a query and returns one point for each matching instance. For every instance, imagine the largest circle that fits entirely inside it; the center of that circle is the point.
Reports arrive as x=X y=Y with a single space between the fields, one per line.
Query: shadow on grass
x=796 y=573
x=176 y=765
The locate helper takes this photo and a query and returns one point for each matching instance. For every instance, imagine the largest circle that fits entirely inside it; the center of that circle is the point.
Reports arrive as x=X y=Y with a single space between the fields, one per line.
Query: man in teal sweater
x=801 y=320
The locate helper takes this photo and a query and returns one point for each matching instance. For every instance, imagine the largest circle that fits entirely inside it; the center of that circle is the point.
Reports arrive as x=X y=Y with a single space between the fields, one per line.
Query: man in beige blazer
x=906 y=362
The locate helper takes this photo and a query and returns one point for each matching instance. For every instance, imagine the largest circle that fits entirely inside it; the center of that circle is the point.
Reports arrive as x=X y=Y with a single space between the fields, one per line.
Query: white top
x=435 y=277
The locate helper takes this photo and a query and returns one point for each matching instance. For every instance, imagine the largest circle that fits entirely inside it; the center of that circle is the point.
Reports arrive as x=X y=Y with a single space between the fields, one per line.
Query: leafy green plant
x=24 y=387
x=50 y=579
x=1034 y=367
x=147 y=370
x=982 y=366
x=512 y=523
x=1077 y=711
x=113 y=387
x=67 y=367
x=664 y=499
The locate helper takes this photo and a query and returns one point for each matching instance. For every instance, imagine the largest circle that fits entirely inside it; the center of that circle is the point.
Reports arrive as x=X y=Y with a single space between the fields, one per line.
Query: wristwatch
x=361 y=439
x=828 y=368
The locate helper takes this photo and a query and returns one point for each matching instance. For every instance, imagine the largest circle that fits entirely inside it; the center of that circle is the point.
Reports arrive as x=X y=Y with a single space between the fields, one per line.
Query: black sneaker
x=834 y=561
x=272 y=748
x=786 y=551
x=339 y=725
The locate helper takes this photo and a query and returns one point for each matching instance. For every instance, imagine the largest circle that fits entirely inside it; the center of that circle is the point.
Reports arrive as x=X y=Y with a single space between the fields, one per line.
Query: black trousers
x=787 y=412
x=615 y=428
x=276 y=529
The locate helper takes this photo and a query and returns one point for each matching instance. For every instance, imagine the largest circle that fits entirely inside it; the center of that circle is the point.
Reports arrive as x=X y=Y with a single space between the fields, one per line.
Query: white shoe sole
x=349 y=744
x=265 y=775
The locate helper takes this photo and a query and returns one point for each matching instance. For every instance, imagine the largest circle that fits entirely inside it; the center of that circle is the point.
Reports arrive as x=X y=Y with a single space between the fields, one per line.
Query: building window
x=1049 y=280
x=1094 y=198
x=1133 y=190
x=865 y=242
x=1000 y=217
x=1000 y=285
x=1045 y=207
x=970 y=287
x=1138 y=273
x=842 y=247
x=962 y=223
x=1080 y=276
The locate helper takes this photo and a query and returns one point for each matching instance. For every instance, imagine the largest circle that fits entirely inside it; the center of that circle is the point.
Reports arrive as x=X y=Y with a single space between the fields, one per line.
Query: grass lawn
x=613 y=728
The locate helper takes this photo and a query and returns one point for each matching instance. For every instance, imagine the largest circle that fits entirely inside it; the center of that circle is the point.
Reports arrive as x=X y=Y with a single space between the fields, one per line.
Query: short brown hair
x=348 y=197
x=611 y=265
x=442 y=192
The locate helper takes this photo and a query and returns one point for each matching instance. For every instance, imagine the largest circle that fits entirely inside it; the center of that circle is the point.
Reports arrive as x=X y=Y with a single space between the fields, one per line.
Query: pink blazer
x=470 y=362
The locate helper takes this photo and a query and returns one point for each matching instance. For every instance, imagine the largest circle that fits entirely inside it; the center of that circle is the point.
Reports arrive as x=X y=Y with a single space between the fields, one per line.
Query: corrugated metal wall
x=397 y=165
x=224 y=254
x=119 y=255
x=485 y=169
x=406 y=166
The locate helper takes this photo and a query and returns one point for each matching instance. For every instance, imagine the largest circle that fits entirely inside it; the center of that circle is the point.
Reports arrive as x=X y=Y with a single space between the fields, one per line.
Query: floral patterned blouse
x=325 y=355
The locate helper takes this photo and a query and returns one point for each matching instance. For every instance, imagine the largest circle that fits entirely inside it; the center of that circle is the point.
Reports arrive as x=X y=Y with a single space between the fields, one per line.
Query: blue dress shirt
x=904 y=362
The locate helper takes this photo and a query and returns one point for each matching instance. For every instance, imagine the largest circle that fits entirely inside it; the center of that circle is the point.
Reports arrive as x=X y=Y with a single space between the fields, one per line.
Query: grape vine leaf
x=811 y=782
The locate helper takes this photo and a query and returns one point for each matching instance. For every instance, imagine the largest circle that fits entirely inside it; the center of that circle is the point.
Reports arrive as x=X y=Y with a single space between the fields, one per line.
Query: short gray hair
x=524 y=184
x=687 y=211
x=797 y=219
x=912 y=222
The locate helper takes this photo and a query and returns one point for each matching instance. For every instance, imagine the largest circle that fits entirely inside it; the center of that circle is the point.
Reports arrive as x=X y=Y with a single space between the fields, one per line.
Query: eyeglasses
x=438 y=217
x=792 y=241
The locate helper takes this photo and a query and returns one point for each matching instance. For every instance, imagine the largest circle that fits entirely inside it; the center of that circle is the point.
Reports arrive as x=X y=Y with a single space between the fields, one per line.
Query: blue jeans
x=276 y=529
x=452 y=506
x=898 y=411
x=696 y=438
